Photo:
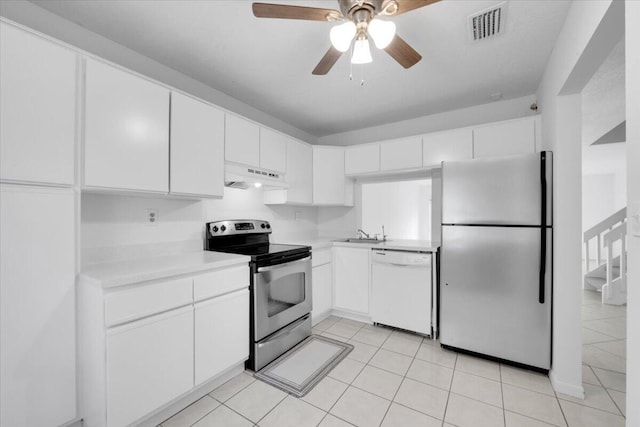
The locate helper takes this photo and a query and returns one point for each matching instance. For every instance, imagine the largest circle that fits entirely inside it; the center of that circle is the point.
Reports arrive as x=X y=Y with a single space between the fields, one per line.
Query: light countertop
x=394 y=244
x=318 y=243
x=121 y=273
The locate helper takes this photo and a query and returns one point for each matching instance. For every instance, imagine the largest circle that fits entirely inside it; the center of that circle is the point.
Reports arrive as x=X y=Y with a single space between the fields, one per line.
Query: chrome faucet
x=361 y=231
x=384 y=236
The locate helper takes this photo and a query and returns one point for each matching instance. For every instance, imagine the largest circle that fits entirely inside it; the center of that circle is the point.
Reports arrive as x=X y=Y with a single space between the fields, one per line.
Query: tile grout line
x=401 y=382
x=446 y=405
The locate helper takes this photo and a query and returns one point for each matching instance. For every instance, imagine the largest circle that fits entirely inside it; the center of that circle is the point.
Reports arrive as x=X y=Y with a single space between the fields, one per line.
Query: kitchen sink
x=357 y=240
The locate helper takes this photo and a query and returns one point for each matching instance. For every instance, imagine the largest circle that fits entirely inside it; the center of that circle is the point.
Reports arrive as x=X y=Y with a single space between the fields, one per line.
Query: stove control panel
x=238 y=226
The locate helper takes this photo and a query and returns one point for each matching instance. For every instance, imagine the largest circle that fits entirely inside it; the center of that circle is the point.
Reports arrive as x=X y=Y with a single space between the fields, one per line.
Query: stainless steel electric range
x=280 y=286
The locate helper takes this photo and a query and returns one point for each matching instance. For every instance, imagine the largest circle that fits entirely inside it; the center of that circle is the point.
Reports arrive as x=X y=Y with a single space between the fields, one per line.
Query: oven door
x=281 y=295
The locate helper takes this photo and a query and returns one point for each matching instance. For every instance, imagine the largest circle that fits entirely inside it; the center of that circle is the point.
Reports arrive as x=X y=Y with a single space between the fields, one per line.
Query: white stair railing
x=596 y=232
x=615 y=289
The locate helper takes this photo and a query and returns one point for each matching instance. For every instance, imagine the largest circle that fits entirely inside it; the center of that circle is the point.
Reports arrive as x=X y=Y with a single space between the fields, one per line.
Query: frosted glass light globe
x=341 y=35
x=382 y=32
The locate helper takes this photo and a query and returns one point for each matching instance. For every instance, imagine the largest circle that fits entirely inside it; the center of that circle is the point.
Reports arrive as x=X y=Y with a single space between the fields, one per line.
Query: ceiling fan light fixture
x=361 y=52
x=382 y=32
x=341 y=35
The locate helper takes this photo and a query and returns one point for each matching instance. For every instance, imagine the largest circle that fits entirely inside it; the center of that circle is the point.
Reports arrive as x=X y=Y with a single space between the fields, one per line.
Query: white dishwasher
x=401 y=289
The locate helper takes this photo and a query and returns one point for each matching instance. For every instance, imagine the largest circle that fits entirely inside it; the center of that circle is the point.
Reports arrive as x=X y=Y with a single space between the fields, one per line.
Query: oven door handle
x=284 y=265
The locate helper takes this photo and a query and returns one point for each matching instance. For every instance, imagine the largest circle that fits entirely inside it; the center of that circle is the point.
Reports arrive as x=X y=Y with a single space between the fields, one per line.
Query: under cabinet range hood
x=244 y=177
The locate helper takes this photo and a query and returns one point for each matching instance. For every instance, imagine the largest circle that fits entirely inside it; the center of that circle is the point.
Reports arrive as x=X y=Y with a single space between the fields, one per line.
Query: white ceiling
x=267 y=63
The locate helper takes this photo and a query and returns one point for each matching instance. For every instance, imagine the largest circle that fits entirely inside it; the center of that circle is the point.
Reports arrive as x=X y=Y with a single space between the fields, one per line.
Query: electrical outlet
x=298 y=215
x=152 y=216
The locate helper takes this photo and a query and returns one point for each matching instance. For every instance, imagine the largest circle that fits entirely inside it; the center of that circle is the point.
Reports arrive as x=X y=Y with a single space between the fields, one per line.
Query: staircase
x=609 y=274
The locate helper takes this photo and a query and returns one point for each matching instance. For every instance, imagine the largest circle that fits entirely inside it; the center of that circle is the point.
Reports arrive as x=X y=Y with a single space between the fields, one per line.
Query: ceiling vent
x=488 y=23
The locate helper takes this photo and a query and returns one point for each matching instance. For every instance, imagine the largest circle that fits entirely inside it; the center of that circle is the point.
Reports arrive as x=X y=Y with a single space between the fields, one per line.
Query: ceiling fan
x=361 y=22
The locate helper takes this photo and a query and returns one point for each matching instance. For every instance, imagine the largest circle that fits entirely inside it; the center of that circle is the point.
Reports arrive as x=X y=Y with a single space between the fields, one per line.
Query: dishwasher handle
x=402 y=259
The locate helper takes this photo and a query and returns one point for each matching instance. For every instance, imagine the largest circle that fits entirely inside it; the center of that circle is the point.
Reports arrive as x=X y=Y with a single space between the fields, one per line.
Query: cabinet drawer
x=321 y=257
x=140 y=301
x=220 y=282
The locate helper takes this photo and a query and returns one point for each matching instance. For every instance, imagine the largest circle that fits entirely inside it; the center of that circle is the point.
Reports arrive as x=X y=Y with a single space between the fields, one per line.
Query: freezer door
x=502 y=190
x=490 y=293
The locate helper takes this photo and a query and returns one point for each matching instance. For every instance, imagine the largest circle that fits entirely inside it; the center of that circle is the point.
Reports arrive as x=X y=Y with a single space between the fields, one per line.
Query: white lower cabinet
x=144 y=345
x=149 y=363
x=221 y=334
x=321 y=283
x=351 y=275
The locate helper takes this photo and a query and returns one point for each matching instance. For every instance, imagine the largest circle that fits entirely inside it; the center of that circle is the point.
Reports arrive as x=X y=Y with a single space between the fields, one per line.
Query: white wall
x=591 y=30
x=633 y=194
x=479 y=114
x=39 y=19
x=603 y=97
x=604 y=182
x=116 y=227
x=403 y=207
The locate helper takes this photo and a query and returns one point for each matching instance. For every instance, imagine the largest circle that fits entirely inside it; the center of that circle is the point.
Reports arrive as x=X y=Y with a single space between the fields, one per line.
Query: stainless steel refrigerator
x=496 y=258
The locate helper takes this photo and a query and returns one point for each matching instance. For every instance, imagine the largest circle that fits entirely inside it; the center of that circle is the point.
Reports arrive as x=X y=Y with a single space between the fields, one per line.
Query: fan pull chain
x=361 y=75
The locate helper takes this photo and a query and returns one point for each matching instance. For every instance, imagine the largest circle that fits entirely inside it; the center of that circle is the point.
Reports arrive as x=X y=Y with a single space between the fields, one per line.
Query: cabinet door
x=197 y=147
x=221 y=334
x=322 y=294
x=273 y=151
x=351 y=268
x=149 y=363
x=126 y=131
x=299 y=172
x=401 y=154
x=504 y=138
x=241 y=141
x=330 y=187
x=445 y=146
x=37 y=108
x=362 y=159
x=37 y=306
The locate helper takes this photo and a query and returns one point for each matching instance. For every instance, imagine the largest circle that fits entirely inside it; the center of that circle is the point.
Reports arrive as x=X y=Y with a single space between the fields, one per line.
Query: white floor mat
x=302 y=367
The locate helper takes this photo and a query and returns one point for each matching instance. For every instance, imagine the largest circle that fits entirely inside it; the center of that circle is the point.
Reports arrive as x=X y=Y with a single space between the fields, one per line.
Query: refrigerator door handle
x=543 y=226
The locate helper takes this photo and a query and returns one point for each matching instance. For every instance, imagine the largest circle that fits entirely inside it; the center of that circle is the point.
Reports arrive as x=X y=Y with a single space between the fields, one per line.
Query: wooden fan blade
x=402 y=52
x=267 y=10
x=409 y=5
x=327 y=61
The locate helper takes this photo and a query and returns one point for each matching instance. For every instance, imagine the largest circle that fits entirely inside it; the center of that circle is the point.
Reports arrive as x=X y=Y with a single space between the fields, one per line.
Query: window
x=403 y=207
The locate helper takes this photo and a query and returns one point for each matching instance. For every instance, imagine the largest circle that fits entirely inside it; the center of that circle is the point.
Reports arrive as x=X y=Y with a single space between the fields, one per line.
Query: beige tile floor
x=396 y=379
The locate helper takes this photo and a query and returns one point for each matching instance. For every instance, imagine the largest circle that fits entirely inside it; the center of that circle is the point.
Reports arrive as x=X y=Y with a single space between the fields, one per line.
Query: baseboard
x=77 y=422
x=353 y=316
x=161 y=414
x=319 y=317
x=566 y=388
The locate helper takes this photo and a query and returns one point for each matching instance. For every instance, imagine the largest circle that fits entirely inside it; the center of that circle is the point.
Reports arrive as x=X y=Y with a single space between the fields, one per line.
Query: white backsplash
x=116 y=227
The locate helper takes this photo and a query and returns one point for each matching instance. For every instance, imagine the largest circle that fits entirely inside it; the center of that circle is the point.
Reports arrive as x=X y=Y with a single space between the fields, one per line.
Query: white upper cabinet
x=299 y=172
x=401 y=154
x=330 y=186
x=252 y=145
x=126 y=131
x=455 y=144
x=197 y=148
x=361 y=159
x=299 y=177
x=37 y=108
x=505 y=138
x=242 y=141
x=273 y=150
